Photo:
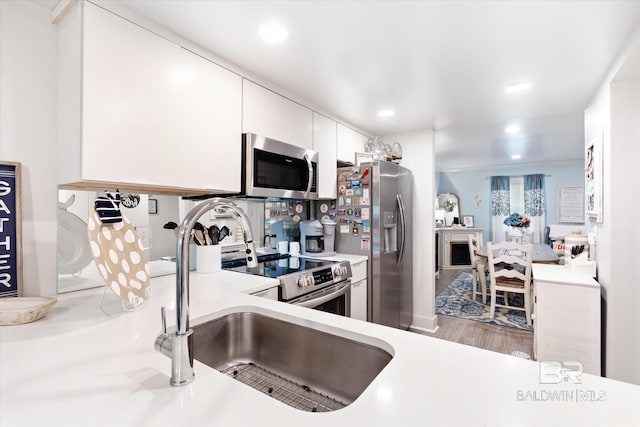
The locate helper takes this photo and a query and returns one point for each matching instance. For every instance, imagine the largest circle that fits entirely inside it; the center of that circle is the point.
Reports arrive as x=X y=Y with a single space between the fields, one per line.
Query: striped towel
x=108 y=208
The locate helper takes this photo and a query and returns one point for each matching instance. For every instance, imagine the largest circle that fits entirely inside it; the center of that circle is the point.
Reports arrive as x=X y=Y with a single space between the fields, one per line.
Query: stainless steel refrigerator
x=374 y=216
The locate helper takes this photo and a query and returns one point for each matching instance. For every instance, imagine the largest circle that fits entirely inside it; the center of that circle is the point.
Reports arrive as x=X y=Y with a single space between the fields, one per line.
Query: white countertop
x=84 y=366
x=562 y=274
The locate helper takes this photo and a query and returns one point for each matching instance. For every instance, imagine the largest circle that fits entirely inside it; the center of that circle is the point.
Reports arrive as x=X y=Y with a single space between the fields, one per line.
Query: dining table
x=542 y=254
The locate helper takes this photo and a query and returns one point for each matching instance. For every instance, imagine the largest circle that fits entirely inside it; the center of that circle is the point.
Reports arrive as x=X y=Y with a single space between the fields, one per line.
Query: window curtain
x=534 y=205
x=499 y=207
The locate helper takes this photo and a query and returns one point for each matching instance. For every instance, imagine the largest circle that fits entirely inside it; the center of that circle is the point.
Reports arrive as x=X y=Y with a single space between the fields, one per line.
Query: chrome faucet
x=179 y=346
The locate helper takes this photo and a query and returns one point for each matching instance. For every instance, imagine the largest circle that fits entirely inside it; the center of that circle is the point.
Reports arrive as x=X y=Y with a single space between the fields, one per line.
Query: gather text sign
x=10 y=230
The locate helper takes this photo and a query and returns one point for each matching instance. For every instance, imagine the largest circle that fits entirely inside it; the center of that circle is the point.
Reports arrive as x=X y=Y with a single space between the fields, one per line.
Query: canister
x=571 y=240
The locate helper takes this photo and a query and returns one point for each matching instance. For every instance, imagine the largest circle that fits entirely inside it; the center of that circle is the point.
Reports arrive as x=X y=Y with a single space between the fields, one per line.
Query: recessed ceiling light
x=273 y=33
x=386 y=113
x=516 y=157
x=518 y=87
x=512 y=129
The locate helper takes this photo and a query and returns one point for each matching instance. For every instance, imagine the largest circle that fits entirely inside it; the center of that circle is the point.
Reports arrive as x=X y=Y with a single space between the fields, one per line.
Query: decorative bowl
x=16 y=311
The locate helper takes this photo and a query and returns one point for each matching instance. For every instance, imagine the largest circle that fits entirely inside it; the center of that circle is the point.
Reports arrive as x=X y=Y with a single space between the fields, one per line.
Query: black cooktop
x=282 y=266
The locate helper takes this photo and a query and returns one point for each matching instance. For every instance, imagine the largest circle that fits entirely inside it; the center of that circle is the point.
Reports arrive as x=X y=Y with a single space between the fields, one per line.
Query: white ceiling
x=438 y=64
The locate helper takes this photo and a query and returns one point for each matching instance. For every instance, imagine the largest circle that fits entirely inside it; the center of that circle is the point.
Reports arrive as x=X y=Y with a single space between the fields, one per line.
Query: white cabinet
x=454 y=247
x=566 y=317
x=139 y=110
x=324 y=142
x=269 y=114
x=349 y=142
x=359 y=290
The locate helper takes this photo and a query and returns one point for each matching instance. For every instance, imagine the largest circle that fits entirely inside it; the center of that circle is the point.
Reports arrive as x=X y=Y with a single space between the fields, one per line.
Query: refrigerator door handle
x=403 y=230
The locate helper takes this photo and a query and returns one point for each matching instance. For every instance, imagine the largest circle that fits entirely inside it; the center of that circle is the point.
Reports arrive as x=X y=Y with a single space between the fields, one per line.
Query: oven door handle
x=314 y=302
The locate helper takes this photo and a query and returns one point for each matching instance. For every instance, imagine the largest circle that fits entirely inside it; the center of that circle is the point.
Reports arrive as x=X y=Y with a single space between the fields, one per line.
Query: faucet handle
x=163 y=319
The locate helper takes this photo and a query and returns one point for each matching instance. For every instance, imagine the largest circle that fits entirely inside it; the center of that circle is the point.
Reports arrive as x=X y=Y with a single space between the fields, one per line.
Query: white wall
x=418 y=155
x=28 y=96
x=615 y=111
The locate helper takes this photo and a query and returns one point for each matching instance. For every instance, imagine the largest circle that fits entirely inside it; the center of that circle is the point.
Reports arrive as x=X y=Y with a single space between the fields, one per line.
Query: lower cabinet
x=359 y=290
x=566 y=327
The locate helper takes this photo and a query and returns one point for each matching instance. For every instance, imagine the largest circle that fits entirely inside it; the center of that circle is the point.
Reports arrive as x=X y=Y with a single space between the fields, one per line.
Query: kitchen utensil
x=198 y=234
x=224 y=232
x=214 y=234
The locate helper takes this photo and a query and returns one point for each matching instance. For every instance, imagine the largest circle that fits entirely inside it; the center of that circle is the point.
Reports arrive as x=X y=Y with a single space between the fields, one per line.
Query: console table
x=454 y=247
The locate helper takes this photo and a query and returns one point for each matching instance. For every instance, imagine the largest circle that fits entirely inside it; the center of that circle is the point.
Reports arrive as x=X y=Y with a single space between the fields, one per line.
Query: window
x=516 y=191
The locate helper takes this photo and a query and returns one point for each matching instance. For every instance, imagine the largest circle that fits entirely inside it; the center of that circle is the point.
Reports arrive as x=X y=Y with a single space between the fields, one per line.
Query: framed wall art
x=571 y=204
x=593 y=178
x=153 y=206
x=10 y=230
x=467 y=220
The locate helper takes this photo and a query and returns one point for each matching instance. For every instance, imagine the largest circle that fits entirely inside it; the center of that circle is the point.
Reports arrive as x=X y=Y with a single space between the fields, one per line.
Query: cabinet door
x=208 y=155
x=359 y=290
x=359 y=300
x=154 y=113
x=324 y=142
x=131 y=97
x=271 y=115
x=349 y=142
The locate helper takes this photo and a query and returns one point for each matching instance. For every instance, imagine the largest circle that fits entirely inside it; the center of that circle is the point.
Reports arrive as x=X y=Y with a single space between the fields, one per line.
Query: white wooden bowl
x=16 y=311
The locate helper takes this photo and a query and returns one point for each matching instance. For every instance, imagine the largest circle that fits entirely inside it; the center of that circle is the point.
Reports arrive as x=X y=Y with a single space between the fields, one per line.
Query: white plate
x=74 y=252
x=16 y=311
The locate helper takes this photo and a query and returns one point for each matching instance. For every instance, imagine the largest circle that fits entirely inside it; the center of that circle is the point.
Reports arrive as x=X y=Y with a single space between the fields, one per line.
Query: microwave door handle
x=403 y=228
x=310 y=181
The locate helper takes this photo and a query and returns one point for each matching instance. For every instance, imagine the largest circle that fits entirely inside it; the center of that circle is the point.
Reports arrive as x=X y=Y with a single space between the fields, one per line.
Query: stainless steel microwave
x=273 y=168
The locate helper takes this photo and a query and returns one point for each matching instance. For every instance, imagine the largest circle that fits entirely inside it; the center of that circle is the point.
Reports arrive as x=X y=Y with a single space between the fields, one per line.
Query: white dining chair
x=514 y=279
x=475 y=243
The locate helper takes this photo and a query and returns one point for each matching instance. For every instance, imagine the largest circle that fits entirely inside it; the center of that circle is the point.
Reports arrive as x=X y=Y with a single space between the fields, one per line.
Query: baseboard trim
x=424 y=324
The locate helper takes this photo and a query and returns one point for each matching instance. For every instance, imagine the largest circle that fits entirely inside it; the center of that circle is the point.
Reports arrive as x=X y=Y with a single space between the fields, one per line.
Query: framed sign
x=467 y=220
x=153 y=206
x=10 y=230
x=571 y=204
x=593 y=178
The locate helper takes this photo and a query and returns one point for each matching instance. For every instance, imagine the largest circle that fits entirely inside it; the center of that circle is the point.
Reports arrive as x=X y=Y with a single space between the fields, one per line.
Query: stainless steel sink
x=303 y=367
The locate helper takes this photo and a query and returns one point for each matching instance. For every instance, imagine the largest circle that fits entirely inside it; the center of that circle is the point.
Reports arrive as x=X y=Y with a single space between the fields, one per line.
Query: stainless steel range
x=314 y=283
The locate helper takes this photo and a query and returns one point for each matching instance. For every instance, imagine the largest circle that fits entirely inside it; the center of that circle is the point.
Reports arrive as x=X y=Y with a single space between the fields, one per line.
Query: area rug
x=456 y=300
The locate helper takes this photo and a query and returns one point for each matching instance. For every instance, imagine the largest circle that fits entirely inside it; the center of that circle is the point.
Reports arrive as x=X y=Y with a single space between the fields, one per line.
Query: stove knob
x=302 y=282
x=311 y=281
x=343 y=270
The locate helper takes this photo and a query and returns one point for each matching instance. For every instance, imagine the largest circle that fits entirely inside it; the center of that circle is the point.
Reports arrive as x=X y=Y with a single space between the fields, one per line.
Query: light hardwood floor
x=478 y=334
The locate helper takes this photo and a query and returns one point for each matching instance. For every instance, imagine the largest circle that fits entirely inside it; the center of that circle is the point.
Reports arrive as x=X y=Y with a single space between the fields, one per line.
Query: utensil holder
x=208 y=258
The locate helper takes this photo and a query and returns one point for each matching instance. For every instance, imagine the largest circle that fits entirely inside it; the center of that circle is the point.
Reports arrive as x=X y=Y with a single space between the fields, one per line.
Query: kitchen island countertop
x=82 y=365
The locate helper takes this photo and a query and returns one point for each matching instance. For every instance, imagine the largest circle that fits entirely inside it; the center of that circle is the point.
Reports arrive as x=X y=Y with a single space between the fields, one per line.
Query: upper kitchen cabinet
x=271 y=115
x=138 y=111
x=324 y=142
x=349 y=143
